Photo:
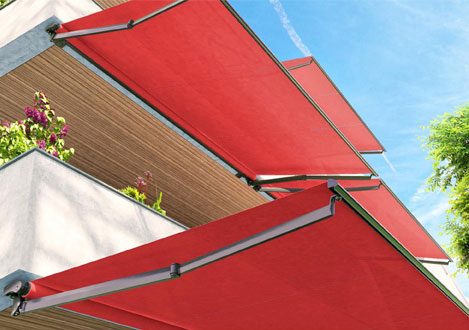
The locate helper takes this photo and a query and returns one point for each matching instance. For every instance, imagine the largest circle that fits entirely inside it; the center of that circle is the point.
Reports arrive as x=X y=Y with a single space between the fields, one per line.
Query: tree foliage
x=448 y=145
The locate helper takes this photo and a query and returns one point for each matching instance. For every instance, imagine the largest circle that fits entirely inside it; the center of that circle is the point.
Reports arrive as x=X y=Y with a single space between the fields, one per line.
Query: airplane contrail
x=295 y=38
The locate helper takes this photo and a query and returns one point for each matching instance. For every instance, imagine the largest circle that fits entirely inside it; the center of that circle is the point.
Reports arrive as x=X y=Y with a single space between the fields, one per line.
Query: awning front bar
x=294 y=190
x=267 y=179
x=116 y=27
x=18 y=290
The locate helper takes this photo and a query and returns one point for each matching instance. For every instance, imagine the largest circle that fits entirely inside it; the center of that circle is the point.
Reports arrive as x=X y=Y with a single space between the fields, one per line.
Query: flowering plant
x=40 y=129
x=139 y=192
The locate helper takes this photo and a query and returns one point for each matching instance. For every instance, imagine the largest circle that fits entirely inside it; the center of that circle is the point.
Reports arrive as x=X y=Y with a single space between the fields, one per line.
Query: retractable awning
x=398 y=220
x=321 y=88
x=200 y=65
x=378 y=199
x=317 y=269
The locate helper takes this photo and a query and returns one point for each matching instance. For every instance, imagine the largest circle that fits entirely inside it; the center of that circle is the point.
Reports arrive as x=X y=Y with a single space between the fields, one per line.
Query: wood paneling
x=54 y=318
x=109 y=3
x=115 y=139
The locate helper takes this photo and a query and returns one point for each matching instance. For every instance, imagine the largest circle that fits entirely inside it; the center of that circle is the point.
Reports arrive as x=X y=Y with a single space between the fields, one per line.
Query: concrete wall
x=23 y=23
x=54 y=217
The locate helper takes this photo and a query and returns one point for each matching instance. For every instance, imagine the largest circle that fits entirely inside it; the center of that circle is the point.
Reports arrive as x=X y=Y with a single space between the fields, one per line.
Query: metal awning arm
x=278 y=189
x=294 y=190
x=268 y=179
x=111 y=28
x=18 y=289
x=364 y=188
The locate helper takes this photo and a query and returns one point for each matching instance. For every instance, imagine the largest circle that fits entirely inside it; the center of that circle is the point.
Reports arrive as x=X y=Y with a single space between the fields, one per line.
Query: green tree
x=448 y=146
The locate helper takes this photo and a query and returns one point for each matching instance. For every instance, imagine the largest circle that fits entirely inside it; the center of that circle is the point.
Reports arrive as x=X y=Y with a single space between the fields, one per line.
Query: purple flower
x=55 y=153
x=53 y=138
x=6 y=123
x=41 y=144
x=36 y=116
x=29 y=112
x=43 y=119
x=63 y=132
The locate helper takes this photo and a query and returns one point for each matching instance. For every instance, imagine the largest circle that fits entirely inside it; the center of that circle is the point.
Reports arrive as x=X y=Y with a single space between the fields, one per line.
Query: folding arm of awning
x=294 y=190
x=268 y=179
x=18 y=290
x=278 y=189
x=111 y=28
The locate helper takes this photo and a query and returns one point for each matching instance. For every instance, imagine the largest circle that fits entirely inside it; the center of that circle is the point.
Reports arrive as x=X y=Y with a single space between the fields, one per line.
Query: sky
x=399 y=63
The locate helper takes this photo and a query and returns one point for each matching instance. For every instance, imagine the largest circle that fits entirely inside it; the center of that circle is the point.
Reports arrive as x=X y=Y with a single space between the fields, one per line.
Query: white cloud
x=289 y=27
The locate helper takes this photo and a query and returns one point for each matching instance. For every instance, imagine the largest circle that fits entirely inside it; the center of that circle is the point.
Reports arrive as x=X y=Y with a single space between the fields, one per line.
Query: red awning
x=399 y=221
x=391 y=214
x=344 y=272
x=324 y=92
x=202 y=68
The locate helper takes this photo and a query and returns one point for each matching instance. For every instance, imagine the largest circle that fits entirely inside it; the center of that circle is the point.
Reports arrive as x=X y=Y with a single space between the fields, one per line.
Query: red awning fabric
x=201 y=68
x=324 y=92
x=399 y=221
x=389 y=211
x=338 y=273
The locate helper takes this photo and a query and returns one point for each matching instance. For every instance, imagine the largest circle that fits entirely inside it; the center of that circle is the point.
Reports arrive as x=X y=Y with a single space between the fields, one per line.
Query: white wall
x=23 y=15
x=53 y=217
x=23 y=24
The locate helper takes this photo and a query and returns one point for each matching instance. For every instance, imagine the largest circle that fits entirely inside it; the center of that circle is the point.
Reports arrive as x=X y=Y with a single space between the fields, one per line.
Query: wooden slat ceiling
x=54 y=318
x=109 y=3
x=115 y=139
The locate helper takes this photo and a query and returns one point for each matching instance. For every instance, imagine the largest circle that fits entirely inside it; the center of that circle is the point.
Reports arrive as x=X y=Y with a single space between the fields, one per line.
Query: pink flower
x=41 y=144
x=53 y=138
x=141 y=184
x=63 y=132
x=43 y=119
x=29 y=112
x=148 y=176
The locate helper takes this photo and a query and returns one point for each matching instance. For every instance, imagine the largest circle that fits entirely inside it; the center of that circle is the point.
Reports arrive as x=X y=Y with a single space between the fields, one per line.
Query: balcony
x=55 y=217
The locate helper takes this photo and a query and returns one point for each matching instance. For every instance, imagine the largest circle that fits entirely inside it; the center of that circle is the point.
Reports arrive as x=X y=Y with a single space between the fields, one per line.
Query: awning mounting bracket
x=56 y=37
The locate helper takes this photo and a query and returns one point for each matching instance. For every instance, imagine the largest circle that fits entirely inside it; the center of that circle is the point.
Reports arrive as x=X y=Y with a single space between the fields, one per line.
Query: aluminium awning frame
x=62 y=37
x=17 y=290
x=294 y=190
x=110 y=28
x=313 y=59
x=268 y=179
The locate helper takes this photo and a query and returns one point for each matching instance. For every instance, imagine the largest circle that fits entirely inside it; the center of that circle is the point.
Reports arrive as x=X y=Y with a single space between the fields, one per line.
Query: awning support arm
x=294 y=190
x=110 y=28
x=364 y=188
x=267 y=179
x=17 y=291
x=278 y=189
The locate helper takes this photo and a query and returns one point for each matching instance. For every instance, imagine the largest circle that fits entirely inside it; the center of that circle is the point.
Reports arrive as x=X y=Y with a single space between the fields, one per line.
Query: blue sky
x=399 y=63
